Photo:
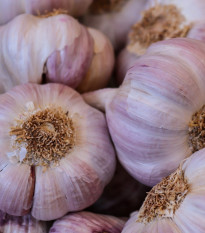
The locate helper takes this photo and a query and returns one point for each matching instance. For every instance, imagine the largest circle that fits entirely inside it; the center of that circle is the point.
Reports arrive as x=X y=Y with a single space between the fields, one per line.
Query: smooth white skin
x=116 y=25
x=82 y=174
x=11 y=8
x=189 y=217
x=29 y=43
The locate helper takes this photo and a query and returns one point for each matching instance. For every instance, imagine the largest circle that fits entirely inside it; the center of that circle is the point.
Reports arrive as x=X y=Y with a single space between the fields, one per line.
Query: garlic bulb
x=114 y=18
x=176 y=204
x=160 y=21
x=24 y=224
x=56 y=155
x=102 y=64
x=31 y=46
x=121 y=196
x=88 y=222
x=155 y=116
x=11 y=8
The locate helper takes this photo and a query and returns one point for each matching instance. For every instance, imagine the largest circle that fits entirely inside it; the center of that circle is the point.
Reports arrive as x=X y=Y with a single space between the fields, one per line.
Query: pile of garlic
x=81 y=154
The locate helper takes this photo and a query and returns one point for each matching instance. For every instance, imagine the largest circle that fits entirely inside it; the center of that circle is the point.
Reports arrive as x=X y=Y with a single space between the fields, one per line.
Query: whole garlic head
x=156 y=117
x=89 y=222
x=176 y=204
x=9 y=9
x=56 y=155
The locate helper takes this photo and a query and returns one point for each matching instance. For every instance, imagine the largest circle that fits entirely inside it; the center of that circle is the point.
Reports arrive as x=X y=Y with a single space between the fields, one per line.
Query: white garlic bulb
x=24 y=224
x=160 y=21
x=11 y=8
x=154 y=116
x=114 y=18
x=87 y=222
x=56 y=155
x=176 y=204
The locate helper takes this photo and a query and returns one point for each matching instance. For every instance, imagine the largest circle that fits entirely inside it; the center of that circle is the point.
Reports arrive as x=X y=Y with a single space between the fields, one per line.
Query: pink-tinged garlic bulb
x=56 y=155
x=156 y=117
x=160 y=21
x=24 y=224
x=56 y=46
x=176 y=204
x=114 y=18
x=102 y=64
x=87 y=222
x=11 y=8
x=121 y=196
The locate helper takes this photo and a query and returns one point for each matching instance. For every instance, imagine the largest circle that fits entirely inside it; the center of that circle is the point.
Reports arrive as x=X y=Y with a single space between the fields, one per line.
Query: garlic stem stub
x=114 y=18
x=57 y=47
x=23 y=224
x=176 y=204
x=56 y=155
x=88 y=222
x=9 y=9
x=156 y=116
x=160 y=21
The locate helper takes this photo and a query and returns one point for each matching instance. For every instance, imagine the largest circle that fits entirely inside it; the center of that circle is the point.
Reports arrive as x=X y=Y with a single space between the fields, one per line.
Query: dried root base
x=164 y=198
x=106 y=6
x=52 y=13
x=47 y=136
x=158 y=23
x=197 y=130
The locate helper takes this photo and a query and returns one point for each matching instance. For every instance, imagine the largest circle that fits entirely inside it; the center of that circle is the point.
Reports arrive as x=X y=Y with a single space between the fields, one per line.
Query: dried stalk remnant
x=54 y=12
x=47 y=135
x=158 y=23
x=105 y=6
x=197 y=130
x=164 y=198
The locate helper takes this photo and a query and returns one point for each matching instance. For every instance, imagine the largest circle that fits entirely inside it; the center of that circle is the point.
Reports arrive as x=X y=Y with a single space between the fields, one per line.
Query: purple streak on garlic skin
x=69 y=65
x=82 y=173
x=116 y=25
x=89 y=222
x=24 y=56
x=125 y=60
x=24 y=224
x=101 y=68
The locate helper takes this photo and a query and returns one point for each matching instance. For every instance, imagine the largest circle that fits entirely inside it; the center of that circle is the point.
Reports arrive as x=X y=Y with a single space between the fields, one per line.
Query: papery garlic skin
x=116 y=25
x=79 y=177
x=57 y=46
x=189 y=215
x=88 y=222
x=149 y=115
x=24 y=224
x=102 y=64
x=11 y=8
